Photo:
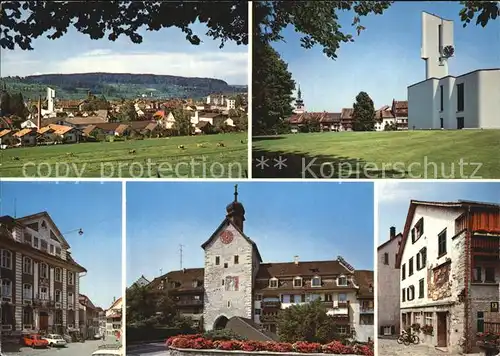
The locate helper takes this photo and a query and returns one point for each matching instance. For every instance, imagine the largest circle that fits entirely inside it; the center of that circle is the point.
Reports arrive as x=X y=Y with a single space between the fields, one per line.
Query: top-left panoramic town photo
x=86 y=90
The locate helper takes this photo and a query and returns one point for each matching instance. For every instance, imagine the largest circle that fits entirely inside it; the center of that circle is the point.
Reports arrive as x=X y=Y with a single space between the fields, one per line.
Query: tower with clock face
x=231 y=262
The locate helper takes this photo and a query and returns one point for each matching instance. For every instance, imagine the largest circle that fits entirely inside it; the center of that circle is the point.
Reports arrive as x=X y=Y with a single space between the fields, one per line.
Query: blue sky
x=94 y=207
x=316 y=221
x=385 y=59
x=162 y=52
x=394 y=199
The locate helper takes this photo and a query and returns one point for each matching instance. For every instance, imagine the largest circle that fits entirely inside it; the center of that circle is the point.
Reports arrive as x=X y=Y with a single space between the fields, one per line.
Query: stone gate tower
x=231 y=264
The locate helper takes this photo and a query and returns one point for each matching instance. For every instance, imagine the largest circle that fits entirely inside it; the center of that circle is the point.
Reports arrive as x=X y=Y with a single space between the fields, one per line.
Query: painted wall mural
x=232 y=284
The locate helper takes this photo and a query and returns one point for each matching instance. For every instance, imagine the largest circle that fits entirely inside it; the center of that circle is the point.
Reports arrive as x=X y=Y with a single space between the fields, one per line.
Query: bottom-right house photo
x=438 y=268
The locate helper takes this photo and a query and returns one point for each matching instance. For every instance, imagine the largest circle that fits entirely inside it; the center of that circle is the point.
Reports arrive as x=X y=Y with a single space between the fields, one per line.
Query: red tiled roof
x=346 y=113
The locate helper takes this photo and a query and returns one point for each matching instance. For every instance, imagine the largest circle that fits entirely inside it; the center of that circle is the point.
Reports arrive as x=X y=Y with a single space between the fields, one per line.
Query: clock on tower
x=226 y=237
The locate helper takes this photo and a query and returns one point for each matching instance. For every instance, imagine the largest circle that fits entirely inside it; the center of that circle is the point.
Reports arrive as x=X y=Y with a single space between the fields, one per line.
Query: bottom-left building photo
x=60 y=267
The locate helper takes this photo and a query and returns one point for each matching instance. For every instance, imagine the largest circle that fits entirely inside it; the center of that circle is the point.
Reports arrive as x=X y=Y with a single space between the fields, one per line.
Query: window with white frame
x=70 y=298
x=316 y=282
x=58 y=274
x=44 y=293
x=51 y=249
x=428 y=319
x=44 y=270
x=71 y=278
x=27 y=291
x=6 y=259
x=57 y=296
x=342 y=297
x=6 y=288
x=36 y=242
x=27 y=265
x=273 y=283
x=342 y=281
x=297 y=282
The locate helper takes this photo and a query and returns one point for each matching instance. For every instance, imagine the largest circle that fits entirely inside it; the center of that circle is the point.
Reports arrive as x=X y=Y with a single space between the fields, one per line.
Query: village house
x=236 y=283
x=54 y=133
x=26 y=137
x=165 y=119
x=114 y=318
x=450 y=271
x=384 y=118
x=7 y=138
x=40 y=279
x=89 y=317
x=388 y=286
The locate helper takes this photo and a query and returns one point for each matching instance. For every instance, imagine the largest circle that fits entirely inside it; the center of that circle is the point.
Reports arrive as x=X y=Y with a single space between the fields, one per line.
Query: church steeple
x=236 y=211
x=299 y=103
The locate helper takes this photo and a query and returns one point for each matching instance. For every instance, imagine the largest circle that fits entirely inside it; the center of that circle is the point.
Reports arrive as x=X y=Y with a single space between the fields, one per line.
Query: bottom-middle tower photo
x=278 y=267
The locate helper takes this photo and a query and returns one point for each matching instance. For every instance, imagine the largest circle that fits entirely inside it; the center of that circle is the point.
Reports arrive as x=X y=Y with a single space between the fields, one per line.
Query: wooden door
x=44 y=322
x=442 y=330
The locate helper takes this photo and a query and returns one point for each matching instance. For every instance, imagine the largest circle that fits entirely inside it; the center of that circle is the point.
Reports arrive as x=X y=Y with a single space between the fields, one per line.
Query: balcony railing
x=271 y=304
x=492 y=327
x=190 y=302
x=366 y=310
x=486 y=244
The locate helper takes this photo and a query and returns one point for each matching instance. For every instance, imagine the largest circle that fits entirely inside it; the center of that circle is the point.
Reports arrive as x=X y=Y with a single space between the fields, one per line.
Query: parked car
x=109 y=350
x=98 y=336
x=55 y=340
x=35 y=340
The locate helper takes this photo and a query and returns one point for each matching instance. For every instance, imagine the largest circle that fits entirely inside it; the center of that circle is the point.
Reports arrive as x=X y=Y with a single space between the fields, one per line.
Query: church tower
x=299 y=103
x=437 y=45
x=231 y=262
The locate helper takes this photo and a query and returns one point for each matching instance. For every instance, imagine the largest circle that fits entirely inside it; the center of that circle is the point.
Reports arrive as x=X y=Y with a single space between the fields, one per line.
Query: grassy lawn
x=152 y=158
x=460 y=154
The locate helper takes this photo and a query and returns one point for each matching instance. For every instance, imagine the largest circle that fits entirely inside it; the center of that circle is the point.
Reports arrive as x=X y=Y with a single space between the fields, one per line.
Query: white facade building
x=388 y=287
x=449 y=271
x=443 y=101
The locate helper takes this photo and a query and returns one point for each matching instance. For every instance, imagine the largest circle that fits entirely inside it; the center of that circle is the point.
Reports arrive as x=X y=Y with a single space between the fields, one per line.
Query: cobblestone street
x=388 y=347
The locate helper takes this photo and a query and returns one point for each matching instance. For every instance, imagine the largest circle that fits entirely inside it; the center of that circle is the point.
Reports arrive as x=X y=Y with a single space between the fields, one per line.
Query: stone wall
x=221 y=300
x=189 y=352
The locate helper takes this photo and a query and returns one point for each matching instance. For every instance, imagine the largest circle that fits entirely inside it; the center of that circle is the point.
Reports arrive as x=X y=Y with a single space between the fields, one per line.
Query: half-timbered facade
x=40 y=279
x=449 y=261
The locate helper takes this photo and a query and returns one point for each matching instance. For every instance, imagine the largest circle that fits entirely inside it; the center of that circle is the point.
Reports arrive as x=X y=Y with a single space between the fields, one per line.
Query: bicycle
x=408 y=338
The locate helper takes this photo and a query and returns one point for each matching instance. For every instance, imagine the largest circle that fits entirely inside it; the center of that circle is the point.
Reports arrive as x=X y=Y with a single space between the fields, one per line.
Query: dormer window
x=297 y=282
x=316 y=282
x=342 y=281
x=44 y=224
x=273 y=283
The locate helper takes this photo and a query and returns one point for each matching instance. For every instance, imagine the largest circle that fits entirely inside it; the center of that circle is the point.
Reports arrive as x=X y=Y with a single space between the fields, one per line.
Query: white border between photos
x=249 y=89
x=124 y=267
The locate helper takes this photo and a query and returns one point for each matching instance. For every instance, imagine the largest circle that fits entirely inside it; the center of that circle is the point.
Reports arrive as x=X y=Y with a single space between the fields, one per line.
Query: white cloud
x=229 y=66
x=394 y=191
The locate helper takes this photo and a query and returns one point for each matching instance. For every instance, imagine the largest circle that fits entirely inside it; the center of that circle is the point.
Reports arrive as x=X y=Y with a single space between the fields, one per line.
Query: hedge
x=139 y=334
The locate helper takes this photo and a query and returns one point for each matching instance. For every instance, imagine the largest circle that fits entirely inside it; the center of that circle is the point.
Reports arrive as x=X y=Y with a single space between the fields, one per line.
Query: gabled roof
x=185 y=277
x=364 y=280
x=396 y=238
x=225 y=222
x=24 y=132
x=460 y=204
x=5 y=132
x=46 y=216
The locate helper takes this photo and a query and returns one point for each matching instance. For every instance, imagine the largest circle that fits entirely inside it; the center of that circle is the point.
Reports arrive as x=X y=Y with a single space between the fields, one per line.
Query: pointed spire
x=299 y=94
x=236 y=192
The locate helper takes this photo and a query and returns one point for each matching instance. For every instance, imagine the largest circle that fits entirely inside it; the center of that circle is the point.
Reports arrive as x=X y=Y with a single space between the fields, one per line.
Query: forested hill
x=120 y=85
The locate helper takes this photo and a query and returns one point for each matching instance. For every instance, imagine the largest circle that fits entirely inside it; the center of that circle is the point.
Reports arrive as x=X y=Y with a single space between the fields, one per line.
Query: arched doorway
x=220 y=322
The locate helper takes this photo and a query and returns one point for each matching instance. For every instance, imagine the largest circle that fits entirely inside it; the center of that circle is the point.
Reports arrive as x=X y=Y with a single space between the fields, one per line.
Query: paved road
x=73 y=349
x=151 y=349
x=388 y=347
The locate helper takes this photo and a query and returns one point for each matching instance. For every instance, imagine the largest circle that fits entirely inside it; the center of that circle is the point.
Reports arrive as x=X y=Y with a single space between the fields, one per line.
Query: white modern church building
x=443 y=101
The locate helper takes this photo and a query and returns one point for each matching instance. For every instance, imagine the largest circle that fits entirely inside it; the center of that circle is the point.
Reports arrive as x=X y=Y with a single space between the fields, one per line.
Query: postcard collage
x=230 y=178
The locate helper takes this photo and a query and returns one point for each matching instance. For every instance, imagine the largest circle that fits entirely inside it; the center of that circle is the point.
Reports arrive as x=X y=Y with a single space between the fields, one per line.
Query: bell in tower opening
x=236 y=211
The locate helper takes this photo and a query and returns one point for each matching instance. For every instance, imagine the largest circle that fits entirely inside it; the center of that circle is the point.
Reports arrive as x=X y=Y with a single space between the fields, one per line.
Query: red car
x=35 y=340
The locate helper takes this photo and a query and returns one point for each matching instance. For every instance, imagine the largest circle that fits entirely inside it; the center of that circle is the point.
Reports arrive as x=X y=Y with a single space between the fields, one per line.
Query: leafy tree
x=182 y=122
x=239 y=101
x=226 y=21
x=308 y=322
x=127 y=112
x=483 y=11
x=391 y=127
x=4 y=102
x=272 y=89
x=146 y=306
x=364 y=113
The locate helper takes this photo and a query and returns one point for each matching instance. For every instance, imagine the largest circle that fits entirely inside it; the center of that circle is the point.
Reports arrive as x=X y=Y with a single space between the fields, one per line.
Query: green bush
x=139 y=334
x=223 y=335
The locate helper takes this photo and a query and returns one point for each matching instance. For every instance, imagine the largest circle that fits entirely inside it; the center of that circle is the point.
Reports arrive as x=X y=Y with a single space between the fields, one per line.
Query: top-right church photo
x=376 y=90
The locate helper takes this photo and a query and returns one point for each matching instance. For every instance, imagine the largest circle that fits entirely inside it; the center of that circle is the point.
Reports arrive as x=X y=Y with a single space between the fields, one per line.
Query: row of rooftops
x=398 y=109
x=191 y=279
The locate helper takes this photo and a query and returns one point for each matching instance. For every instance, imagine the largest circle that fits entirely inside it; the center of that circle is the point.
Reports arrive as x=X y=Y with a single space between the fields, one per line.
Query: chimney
x=39 y=119
x=392 y=232
x=296 y=259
